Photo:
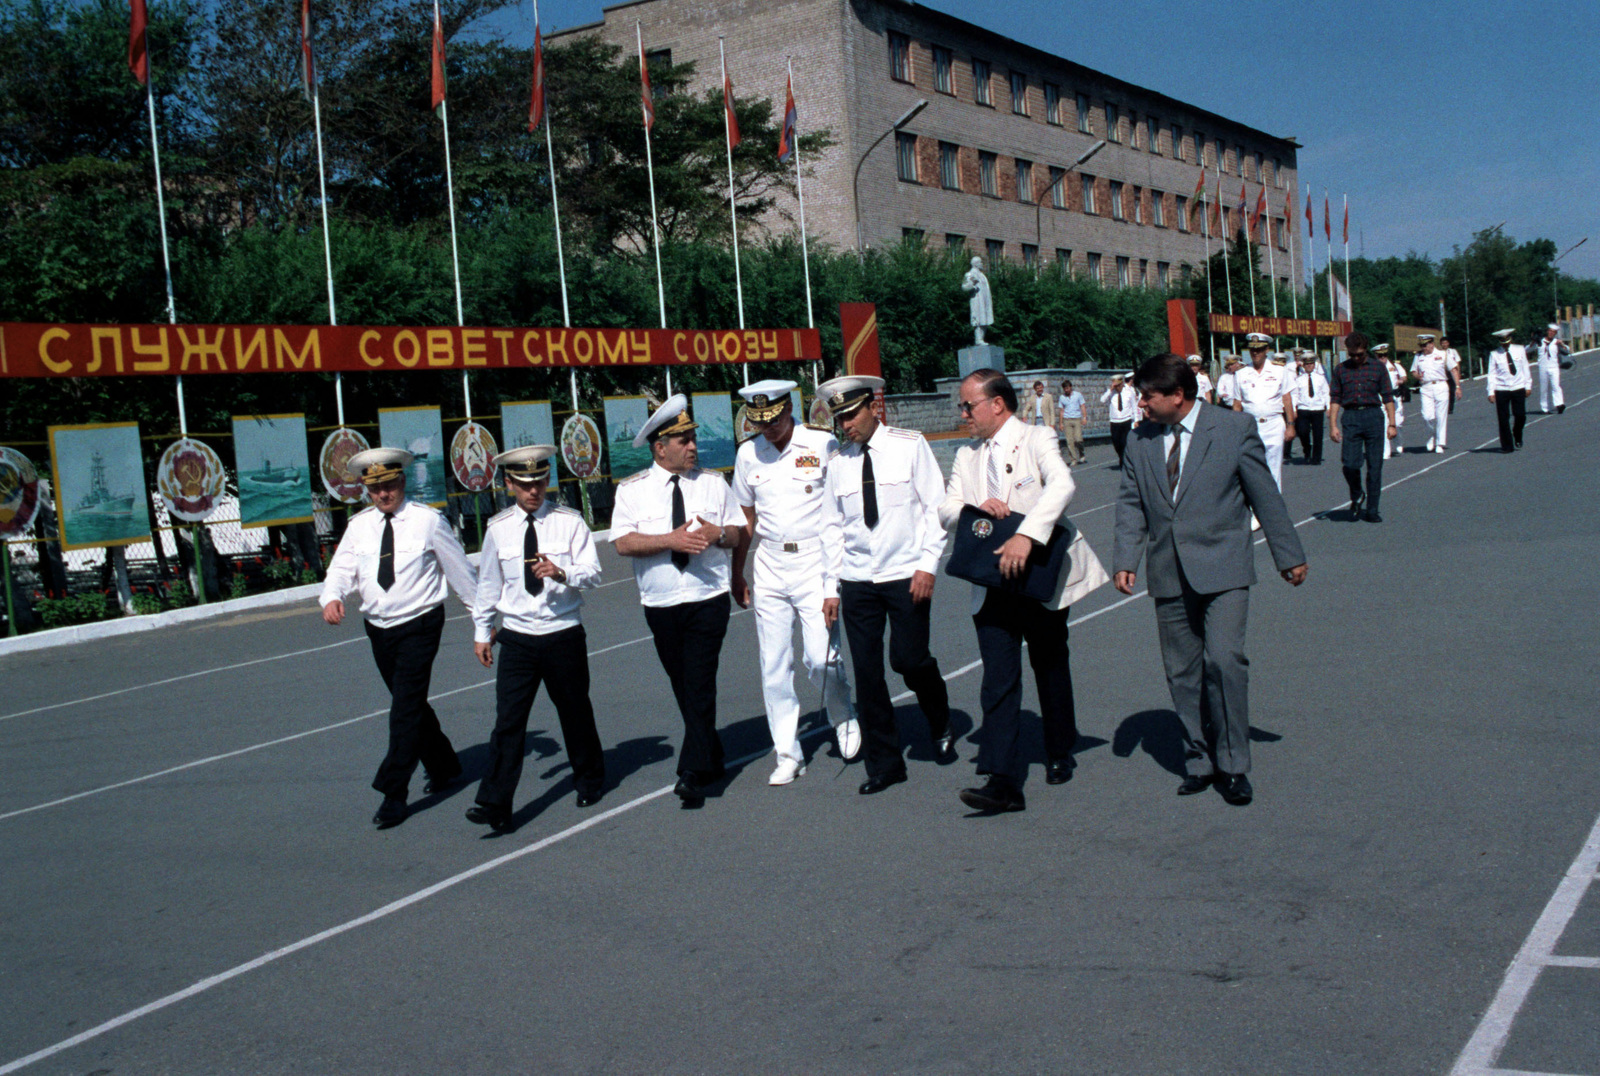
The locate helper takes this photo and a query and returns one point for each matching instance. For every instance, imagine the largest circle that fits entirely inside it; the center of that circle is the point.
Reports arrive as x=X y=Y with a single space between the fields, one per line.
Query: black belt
x=1361 y=407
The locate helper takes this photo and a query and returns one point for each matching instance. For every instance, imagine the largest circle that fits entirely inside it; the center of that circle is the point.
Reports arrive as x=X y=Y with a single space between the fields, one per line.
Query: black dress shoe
x=590 y=798
x=944 y=749
x=437 y=783
x=1235 y=788
x=689 y=791
x=1194 y=783
x=1372 y=517
x=1356 y=501
x=997 y=796
x=882 y=781
x=1058 y=772
x=392 y=813
x=1561 y=409
x=496 y=818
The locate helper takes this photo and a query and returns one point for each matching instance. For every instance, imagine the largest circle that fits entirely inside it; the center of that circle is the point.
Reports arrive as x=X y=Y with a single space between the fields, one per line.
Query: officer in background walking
x=1551 y=351
x=1122 y=409
x=884 y=487
x=1510 y=383
x=1431 y=369
x=1310 y=405
x=680 y=525
x=399 y=555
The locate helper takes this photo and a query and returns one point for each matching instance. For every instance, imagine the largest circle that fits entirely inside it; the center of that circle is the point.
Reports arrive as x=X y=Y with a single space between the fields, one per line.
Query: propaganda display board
x=420 y=432
x=625 y=416
x=714 y=412
x=19 y=493
x=274 y=470
x=528 y=422
x=334 y=464
x=472 y=453
x=580 y=446
x=191 y=479
x=100 y=484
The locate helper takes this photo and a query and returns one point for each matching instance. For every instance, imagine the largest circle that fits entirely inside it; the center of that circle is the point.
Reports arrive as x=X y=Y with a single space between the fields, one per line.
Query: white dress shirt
x=1227 y=388
x=1202 y=386
x=1262 y=391
x=565 y=539
x=1550 y=352
x=1509 y=372
x=785 y=487
x=1452 y=359
x=1431 y=366
x=1071 y=404
x=1123 y=404
x=1311 y=390
x=1186 y=428
x=426 y=557
x=909 y=487
x=644 y=506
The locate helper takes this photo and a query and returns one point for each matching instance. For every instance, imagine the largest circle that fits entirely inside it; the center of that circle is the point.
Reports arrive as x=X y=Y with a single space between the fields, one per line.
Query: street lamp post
x=855 y=183
x=1038 y=206
x=1555 y=278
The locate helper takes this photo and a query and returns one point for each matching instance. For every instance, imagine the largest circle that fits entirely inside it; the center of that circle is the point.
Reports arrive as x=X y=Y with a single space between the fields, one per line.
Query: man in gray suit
x=1191 y=477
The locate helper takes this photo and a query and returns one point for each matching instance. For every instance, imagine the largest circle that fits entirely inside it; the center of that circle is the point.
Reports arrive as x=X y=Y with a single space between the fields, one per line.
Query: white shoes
x=1430 y=444
x=1255 y=524
x=788 y=769
x=849 y=734
x=1387 y=451
x=1439 y=449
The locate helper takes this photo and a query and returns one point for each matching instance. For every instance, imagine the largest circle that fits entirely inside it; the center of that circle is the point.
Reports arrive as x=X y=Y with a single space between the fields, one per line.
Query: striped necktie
x=994 y=471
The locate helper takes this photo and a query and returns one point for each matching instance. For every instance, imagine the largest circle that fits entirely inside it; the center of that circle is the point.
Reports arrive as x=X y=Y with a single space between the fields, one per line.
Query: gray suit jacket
x=1204 y=536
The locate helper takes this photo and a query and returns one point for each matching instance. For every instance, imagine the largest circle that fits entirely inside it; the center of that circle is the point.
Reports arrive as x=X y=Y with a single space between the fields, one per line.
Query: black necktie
x=869 y=489
x=1174 y=458
x=530 y=557
x=680 y=516
x=386 y=553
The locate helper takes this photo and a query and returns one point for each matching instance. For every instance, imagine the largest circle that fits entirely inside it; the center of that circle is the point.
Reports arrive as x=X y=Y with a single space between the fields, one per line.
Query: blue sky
x=1437 y=118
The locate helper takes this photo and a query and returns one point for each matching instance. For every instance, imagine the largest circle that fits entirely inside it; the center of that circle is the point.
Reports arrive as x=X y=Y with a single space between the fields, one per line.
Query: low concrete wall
x=935 y=412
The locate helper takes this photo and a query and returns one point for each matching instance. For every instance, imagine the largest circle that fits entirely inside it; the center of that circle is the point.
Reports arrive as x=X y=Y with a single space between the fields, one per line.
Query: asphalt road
x=1425 y=769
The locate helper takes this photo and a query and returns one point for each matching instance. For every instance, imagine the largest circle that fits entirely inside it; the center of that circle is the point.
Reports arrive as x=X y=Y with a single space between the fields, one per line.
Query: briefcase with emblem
x=979 y=535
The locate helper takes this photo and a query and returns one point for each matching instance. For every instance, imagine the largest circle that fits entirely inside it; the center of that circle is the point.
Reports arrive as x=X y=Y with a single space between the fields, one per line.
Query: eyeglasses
x=966 y=408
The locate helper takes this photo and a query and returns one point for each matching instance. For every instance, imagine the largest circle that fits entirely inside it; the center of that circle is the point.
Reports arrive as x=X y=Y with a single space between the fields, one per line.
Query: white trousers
x=1550 y=394
x=1436 y=409
x=786 y=587
x=1271 y=430
x=1398 y=444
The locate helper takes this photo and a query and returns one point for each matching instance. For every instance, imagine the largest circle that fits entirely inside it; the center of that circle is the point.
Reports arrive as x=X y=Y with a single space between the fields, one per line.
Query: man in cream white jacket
x=1018 y=468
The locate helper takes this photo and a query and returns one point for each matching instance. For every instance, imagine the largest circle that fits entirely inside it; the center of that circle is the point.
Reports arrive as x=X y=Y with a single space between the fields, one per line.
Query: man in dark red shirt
x=1361 y=418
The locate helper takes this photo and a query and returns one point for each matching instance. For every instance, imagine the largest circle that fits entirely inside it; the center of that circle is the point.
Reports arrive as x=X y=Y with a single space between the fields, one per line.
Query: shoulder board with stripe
x=819 y=429
x=367 y=511
x=896 y=431
x=564 y=510
x=504 y=513
x=634 y=477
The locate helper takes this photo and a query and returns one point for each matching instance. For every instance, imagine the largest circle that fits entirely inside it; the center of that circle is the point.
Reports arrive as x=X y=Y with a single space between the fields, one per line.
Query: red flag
x=1347 y=219
x=1197 y=198
x=438 y=60
x=1259 y=212
x=727 y=106
x=1288 y=209
x=308 y=67
x=644 y=94
x=1327 y=218
x=786 y=134
x=1311 y=219
x=138 y=58
x=536 y=105
x=1244 y=205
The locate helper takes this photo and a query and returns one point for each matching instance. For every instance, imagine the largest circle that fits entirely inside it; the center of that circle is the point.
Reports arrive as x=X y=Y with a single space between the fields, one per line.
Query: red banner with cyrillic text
x=1229 y=323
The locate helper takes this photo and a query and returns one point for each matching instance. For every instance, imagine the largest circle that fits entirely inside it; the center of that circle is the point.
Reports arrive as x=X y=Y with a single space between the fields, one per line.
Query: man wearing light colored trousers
x=1191 y=478
x=1071 y=409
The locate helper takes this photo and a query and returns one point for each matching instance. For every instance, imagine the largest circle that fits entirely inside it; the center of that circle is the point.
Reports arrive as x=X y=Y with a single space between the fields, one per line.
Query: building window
x=1093 y=266
x=982 y=92
x=955 y=244
x=899 y=57
x=1180 y=206
x=1058 y=188
x=996 y=250
x=1283 y=234
x=1144 y=273
x=1019 y=93
x=1183 y=272
x=1030 y=256
x=1158 y=209
x=1083 y=113
x=1154 y=127
x=949 y=166
x=1122 y=272
x=987 y=182
x=1222 y=156
x=1113 y=126
x=905 y=156
x=912 y=237
x=1238 y=161
x=1177 y=142
x=1205 y=218
x=1199 y=149
x=1255 y=164
x=1133 y=130
x=1088 y=194
x=943 y=70
x=1277 y=173
x=1163 y=275
x=1025 y=181
x=1064 y=260
x=1116 y=201
x=1138 y=205
x=1052 y=103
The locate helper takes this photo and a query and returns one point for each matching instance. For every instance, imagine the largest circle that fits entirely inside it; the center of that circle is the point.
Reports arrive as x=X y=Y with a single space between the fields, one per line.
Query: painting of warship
x=274 y=468
x=528 y=422
x=420 y=432
x=714 y=412
x=100 y=481
x=625 y=416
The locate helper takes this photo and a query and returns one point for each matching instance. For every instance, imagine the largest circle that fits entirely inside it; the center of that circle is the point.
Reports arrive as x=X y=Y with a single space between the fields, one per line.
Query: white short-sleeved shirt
x=1071 y=404
x=1430 y=367
x=1262 y=391
x=785 y=487
x=565 y=539
x=644 y=506
x=426 y=556
x=909 y=488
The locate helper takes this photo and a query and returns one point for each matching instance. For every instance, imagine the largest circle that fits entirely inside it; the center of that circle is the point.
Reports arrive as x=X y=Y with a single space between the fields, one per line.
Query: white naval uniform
x=1397 y=378
x=1261 y=394
x=1432 y=369
x=427 y=556
x=1550 y=394
x=564 y=538
x=1202 y=387
x=1508 y=370
x=644 y=506
x=788 y=575
x=909 y=537
x=1227 y=388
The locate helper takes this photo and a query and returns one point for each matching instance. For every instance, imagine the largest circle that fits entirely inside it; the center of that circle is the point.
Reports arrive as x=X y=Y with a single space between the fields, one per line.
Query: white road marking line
x=1537 y=953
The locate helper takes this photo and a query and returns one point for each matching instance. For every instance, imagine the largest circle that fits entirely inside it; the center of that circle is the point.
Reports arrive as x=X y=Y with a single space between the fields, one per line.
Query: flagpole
x=733 y=209
x=1311 y=256
x=805 y=255
x=555 y=202
x=1272 y=267
x=650 y=168
x=1327 y=229
x=322 y=187
x=1205 y=234
x=1294 y=237
x=1250 y=262
x=450 y=191
x=161 y=214
x=1351 y=303
x=1227 y=266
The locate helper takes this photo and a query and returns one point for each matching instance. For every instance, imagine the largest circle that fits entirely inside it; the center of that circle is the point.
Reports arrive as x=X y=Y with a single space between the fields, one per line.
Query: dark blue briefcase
x=979 y=535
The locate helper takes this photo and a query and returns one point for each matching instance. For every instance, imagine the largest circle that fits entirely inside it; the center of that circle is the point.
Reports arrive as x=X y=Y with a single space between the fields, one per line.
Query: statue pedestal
x=980 y=356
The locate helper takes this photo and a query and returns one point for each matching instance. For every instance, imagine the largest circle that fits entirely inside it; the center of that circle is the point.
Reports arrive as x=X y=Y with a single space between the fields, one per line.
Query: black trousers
x=1308 y=427
x=1511 y=411
x=1364 y=432
x=688 y=640
x=561 y=661
x=1003 y=623
x=405 y=654
x=1119 y=438
x=866 y=609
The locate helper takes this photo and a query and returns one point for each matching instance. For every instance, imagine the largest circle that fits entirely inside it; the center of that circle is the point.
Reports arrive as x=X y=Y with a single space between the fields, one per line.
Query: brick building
x=985 y=167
